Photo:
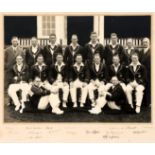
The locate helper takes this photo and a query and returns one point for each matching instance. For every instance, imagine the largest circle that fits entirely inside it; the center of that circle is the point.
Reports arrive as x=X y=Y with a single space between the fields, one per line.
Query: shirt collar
x=62 y=64
x=112 y=44
x=90 y=43
x=76 y=65
x=136 y=64
x=35 y=47
x=20 y=64
x=14 y=47
x=52 y=45
x=73 y=45
x=117 y=65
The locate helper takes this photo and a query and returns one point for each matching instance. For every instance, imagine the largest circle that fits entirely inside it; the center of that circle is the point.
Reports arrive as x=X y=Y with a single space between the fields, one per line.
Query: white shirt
x=78 y=66
x=34 y=49
x=59 y=77
x=135 y=66
x=52 y=48
x=14 y=48
x=116 y=67
x=19 y=67
x=97 y=66
x=59 y=66
x=93 y=46
x=146 y=49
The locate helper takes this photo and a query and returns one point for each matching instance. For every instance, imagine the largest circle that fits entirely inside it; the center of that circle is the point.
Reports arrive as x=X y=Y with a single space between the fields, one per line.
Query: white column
x=39 y=26
x=99 y=27
x=60 y=29
x=96 y=24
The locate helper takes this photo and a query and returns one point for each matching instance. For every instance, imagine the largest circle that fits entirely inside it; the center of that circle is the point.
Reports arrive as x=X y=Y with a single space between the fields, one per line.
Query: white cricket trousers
x=65 y=89
x=139 y=93
x=92 y=87
x=14 y=88
x=73 y=91
x=52 y=99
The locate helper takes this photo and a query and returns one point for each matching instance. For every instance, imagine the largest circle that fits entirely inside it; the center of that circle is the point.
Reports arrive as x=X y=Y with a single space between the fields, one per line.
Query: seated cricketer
x=136 y=79
x=79 y=78
x=98 y=75
x=45 y=97
x=19 y=75
x=58 y=77
x=117 y=69
x=114 y=97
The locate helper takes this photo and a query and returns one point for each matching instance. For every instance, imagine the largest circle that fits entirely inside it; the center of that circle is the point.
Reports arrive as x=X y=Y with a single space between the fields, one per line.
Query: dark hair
x=113 y=34
x=59 y=54
x=97 y=53
x=34 y=37
x=93 y=33
x=13 y=37
x=136 y=54
x=40 y=55
x=53 y=34
x=78 y=54
x=19 y=55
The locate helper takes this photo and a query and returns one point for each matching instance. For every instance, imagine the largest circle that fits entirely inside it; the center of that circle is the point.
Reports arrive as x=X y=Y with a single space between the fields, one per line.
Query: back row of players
x=112 y=70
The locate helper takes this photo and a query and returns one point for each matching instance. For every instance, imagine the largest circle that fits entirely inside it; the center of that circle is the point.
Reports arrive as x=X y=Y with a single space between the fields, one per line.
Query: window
x=48 y=25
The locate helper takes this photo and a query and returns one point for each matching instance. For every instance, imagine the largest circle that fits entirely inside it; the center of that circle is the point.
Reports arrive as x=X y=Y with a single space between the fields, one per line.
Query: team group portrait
x=77 y=68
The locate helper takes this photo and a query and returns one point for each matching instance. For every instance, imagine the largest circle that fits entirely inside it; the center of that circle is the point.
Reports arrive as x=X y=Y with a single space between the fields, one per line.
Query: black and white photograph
x=77 y=68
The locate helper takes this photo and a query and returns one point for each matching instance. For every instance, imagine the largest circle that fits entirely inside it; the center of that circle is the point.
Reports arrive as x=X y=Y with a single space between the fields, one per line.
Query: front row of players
x=40 y=85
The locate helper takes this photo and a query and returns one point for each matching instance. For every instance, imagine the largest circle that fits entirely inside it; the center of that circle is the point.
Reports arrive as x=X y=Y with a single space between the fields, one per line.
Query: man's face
x=19 y=60
x=40 y=60
x=114 y=81
x=34 y=42
x=129 y=43
x=79 y=59
x=134 y=59
x=116 y=60
x=14 y=42
x=59 y=58
x=114 y=39
x=37 y=81
x=145 y=43
x=97 y=59
x=74 y=39
x=93 y=37
x=52 y=39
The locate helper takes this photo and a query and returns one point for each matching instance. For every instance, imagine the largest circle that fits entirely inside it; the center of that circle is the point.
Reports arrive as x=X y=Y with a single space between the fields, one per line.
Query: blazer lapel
x=137 y=69
x=119 y=68
x=131 y=69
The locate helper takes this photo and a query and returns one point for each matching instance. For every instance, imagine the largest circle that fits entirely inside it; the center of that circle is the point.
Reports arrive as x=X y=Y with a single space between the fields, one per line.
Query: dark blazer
x=101 y=75
x=121 y=73
x=35 y=71
x=139 y=75
x=69 y=58
x=49 y=58
x=39 y=91
x=9 y=61
x=22 y=75
x=109 y=53
x=83 y=74
x=10 y=56
x=117 y=94
x=128 y=56
x=53 y=73
x=88 y=54
x=30 y=57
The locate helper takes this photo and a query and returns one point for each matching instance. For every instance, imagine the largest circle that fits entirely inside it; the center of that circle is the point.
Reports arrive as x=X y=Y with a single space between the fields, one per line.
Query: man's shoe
x=57 y=111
